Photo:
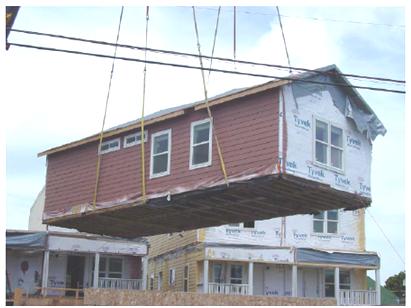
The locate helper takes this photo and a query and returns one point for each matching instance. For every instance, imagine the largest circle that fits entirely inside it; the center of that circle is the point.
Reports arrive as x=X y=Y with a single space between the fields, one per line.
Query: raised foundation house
x=295 y=146
x=306 y=256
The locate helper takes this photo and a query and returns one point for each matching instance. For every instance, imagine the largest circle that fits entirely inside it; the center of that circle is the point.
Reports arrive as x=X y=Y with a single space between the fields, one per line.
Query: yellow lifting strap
x=143 y=168
x=105 y=113
x=220 y=154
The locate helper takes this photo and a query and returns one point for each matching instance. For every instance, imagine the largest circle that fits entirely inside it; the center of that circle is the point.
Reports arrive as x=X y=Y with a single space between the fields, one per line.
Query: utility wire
x=105 y=112
x=203 y=56
x=315 y=18
x=386 y=237
x=295 y=79
x=214 y=41
x=285 y=43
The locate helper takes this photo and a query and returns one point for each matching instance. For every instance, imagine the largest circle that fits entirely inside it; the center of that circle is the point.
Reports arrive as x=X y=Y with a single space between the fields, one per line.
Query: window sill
x=203 y=165
x=327 y=167
x=159 y=175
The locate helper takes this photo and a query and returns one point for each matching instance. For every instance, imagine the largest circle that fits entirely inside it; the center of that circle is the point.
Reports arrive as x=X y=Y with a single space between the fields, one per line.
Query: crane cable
x=215 y=38
x=282 y=32
x=220 y=155
x=105 y=113
x=142 y=134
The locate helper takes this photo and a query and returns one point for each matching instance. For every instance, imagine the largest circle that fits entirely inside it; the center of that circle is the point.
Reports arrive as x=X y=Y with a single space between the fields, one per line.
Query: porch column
x=250 y=277
x=378 y=286
x=337 y=284
x=144 y=272
x=96 y=270
x=294 y=281
x=205 y=276
x=45 y=274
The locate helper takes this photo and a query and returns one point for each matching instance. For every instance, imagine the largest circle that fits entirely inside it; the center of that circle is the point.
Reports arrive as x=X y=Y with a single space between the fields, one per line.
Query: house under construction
x=281 y=148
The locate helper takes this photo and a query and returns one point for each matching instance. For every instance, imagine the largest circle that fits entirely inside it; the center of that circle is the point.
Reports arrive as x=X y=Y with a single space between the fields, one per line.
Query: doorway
x=75 y=273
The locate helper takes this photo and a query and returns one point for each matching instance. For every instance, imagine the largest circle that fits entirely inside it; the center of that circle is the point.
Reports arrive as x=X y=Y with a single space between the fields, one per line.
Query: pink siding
x=247 y=130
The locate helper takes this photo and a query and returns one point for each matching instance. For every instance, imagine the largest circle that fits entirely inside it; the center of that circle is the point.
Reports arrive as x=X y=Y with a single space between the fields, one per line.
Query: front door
x=75 y=273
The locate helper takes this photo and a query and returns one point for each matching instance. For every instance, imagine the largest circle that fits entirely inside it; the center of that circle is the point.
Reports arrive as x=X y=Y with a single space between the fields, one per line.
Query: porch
x=120 y=283
x=305 y=279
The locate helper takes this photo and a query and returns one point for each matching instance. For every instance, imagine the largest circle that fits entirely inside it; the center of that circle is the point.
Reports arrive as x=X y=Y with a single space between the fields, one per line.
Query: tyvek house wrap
x=366 y=121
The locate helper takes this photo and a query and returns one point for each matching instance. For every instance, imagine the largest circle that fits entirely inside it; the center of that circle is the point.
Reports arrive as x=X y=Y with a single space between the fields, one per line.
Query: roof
x=231 y=95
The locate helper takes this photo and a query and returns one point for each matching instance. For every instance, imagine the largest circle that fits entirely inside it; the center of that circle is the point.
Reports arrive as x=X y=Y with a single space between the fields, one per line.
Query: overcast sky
x=54 y=98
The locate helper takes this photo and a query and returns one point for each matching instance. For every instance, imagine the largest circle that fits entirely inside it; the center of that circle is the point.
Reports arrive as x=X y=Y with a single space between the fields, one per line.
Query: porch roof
x=308 y=255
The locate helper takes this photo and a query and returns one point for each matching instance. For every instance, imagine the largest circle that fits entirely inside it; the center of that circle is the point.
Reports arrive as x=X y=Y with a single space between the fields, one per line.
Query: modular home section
x=260 y=151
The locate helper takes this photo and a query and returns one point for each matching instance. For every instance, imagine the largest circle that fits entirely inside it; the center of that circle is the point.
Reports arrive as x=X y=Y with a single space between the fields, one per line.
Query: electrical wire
x=214 y=42
x=314 y=18
x=386 y=237
x=285 y=43
x=203 y=56
x=142 y=136
x=105 y=113
x=295 y=79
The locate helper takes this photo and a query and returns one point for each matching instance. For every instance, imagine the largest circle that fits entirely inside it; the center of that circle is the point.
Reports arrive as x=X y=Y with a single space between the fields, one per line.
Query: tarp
x=317 y=256
x=17 y=240
x=352 y=106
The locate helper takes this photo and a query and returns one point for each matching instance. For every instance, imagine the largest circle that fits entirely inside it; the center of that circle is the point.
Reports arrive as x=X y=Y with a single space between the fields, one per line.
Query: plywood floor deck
x=256 y=199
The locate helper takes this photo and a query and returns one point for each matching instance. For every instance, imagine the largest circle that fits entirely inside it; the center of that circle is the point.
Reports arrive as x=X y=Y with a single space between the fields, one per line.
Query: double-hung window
x=110 y=267
x=345 y=281
x=326 y=222
x=171 y=276
x=160 y=153
x=236 y=274
x=185 y=278
x=329 y=149
x=200 y=144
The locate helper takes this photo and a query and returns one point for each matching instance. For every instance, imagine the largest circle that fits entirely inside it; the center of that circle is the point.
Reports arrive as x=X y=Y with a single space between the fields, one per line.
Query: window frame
x=127 y=145
x=159 y=280
x=210 y=143
x=343 y=286
x=109 y=150
x=106 y=271
x=153 y=136
x=172 y=276
x=231 y=278
x=328 y=144
x=325 y=221
x=151 y=281
x=186 y=278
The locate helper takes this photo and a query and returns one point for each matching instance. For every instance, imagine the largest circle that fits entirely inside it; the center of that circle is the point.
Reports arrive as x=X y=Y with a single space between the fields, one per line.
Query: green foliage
x=396 y=284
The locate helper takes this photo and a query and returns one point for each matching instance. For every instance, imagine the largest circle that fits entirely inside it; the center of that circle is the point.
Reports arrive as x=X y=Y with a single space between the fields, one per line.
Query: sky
x=54 y=98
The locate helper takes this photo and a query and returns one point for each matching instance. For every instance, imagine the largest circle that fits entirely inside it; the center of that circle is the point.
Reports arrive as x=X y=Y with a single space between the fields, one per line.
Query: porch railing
x=227 y=288
x=120 y=283
x=358 y=298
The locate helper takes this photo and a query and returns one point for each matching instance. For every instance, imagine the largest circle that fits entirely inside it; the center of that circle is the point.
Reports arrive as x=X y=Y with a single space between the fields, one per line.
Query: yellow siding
x=162 y=243
x=361 y=229
x=167 y=261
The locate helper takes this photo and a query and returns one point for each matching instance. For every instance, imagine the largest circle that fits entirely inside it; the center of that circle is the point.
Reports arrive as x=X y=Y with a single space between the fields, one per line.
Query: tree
x=396 y=284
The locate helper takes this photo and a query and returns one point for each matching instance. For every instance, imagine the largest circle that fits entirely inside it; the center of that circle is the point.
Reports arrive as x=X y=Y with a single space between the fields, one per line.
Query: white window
x=200 y=144
x=236 y=274
x=185 y=278
x=134 y=139
x=326 y=222
x=160 y=153
x=160 y=280
x=328 y=148
x=171 y=276
x=109 y=146
x=248 y=224
x=110 y=267
x=152 y=281
x=218 y=273
x=345 y=281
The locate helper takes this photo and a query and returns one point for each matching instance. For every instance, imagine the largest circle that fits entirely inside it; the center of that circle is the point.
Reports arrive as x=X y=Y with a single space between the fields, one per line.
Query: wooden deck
x=256 y=199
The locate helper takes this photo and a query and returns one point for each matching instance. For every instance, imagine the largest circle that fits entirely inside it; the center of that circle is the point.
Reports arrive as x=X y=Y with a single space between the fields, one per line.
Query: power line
x=316 y=18
x=206 y=57
x=282 y=32
x=295 y=79
x=386 y=237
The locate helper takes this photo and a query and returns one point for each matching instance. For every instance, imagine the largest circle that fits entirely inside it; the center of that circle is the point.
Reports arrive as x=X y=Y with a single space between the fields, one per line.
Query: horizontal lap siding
x=247 y=131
